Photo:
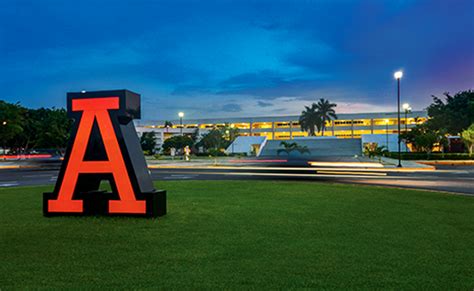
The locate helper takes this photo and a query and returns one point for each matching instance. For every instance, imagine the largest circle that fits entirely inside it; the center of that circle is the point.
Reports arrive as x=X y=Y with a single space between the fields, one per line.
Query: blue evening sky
x=237 y=58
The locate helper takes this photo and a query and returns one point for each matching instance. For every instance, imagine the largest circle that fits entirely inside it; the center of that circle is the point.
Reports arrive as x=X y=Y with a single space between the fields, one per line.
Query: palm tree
x=373 y=150
x=289 y=147
x=326 y=112
x=310 y=120
x=168 y=124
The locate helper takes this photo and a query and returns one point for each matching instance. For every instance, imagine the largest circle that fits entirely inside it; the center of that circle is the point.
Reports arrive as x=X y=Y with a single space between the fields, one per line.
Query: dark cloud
x=190 y=90
x=264 y=104
x=262 y=79
x=231 y=107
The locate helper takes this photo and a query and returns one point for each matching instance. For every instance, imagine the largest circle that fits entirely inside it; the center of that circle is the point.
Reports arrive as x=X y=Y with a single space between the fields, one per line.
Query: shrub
x=432 y=156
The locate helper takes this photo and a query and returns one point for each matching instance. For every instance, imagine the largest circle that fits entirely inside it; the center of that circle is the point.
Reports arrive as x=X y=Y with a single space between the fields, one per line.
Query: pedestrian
x=172 y=153
x=187 y=152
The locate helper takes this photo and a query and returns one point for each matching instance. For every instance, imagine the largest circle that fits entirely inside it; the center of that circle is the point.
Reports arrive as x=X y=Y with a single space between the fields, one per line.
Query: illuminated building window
x=282 y=125
x=258 y=125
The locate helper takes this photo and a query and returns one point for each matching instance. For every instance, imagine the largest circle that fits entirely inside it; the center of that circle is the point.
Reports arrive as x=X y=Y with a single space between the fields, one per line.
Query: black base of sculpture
x=97 y=203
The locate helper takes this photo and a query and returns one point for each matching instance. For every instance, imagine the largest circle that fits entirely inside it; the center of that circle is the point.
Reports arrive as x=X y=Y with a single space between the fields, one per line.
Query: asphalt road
x=455 y=179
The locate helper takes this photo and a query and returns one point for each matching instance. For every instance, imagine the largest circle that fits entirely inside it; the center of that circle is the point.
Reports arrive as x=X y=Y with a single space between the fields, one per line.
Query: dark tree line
x=23 y=129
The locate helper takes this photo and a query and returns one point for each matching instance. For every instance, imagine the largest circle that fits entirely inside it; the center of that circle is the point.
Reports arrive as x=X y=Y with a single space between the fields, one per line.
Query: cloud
x=231 y=107
x=230 y=58
x=264 y=104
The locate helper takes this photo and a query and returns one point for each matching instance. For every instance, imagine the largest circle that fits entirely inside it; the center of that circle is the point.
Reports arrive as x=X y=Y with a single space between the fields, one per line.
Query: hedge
x=432 y=156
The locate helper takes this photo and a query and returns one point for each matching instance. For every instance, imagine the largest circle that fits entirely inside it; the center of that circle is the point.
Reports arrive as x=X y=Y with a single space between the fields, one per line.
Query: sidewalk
x=448 y=162
x=199 y=162
x=389 y=165
x=393 y=163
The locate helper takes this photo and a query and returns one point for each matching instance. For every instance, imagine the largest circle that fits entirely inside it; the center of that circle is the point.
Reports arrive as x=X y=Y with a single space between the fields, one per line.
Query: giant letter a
x=104 y=146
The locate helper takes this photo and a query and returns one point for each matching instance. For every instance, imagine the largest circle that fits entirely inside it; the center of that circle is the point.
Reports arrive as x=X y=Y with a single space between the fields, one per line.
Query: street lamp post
x=386 y=134
x=4 y=123
x=407 y=109
x=181 y=115
x=398 y=75
x=232 y=126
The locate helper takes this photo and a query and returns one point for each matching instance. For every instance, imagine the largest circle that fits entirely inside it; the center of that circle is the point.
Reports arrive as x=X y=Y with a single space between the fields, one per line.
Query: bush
x=178 y=142
x=373 y=150
x=238 y=155
x=432 y=156
x=216 y=153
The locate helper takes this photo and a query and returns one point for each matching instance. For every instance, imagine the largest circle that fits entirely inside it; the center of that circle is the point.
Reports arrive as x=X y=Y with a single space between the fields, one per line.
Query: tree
x=12 y=117
x=55 y=128
x=231 y=132
x=314 y=118
x=310 y=120
x=148 y=142
x=468 y=137
x=177 y=142
x=214 y=140
x=424 y=138
x=326 y=112
x=290 y=147
x=45 y=128
x=455 y=114
x=168 y=124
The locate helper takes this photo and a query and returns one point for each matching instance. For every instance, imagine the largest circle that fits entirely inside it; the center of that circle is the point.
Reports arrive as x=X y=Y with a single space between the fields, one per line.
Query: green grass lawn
x=246 y=234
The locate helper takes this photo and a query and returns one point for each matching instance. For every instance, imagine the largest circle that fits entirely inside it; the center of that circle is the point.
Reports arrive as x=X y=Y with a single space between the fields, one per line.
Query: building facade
x=287 y=127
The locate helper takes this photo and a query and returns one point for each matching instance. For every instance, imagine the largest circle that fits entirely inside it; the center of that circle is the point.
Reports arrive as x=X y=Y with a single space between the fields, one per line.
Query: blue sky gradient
x=237 y=58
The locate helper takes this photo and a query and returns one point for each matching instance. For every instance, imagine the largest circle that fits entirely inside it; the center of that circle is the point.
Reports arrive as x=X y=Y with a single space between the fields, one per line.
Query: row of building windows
x=289 y=135
x=296 y=125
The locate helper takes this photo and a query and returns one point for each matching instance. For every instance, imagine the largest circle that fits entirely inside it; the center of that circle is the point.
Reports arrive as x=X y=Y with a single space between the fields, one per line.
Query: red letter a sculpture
x=104 y=146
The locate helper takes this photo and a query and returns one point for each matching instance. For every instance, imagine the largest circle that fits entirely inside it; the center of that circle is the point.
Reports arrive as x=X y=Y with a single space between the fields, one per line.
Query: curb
x=382 y=170
x=448 y=162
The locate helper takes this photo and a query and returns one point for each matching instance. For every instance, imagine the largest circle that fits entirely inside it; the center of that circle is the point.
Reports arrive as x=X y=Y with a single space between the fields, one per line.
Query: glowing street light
x=181 y=115
x=398 y=75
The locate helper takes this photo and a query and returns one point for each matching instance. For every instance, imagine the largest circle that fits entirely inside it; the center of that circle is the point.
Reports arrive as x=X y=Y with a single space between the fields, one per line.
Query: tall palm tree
x=168 y=124
x=310 y=120
x=326 y=112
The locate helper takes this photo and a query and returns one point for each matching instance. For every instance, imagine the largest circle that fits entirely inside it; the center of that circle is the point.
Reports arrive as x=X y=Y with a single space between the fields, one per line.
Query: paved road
x=456 y=179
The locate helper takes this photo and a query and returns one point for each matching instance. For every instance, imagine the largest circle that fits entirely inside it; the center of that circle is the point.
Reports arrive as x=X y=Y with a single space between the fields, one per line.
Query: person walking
x=187 y=152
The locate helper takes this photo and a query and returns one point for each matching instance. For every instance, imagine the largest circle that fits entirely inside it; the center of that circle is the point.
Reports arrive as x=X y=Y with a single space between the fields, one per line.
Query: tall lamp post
x=181 y=115
x=386 y=134
x=232 y=126
x=398 y=75
x=406 y=108
x=4 y=124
